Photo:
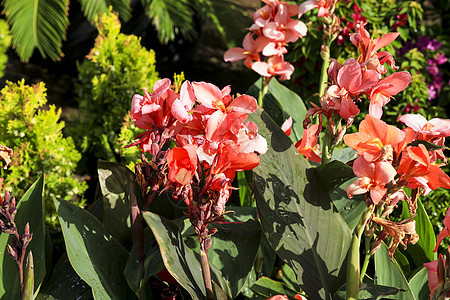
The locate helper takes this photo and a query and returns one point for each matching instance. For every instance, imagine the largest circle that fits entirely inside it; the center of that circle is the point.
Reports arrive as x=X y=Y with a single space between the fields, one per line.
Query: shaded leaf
x=281 y=103
x=332 y=175
x=181 y=262
x=428 y=145
x=369 y=291
x=245 y=191
x=29 y=209
x=349 y=209
x=298 y=218
x=152 y=264
x=266 y=288
x=115 y=180
x=96 y=257
x=91 y=8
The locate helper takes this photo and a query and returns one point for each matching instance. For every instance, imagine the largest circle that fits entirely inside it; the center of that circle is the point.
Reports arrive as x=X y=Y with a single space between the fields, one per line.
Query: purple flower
x=431 y=92
x=425 y=43
x=440 y=59
x=432 y=68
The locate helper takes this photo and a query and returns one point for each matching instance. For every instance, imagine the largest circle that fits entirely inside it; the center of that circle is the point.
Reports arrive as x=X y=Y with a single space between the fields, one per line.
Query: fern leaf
x=91 y=8
x=170 y=17
x=37 y=24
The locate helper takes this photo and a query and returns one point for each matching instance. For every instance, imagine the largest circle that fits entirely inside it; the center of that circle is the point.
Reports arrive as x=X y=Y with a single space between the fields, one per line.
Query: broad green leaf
x=181 y=262
x=281 y=103
x=422 y=251
x=115 y=180
x=389 y=273
x=152 y=264
x=369 y=291
x=288 y=277
x=349 y=209
x=344 y=154
x=428 y=145
x=64 y=283
x=245 y=191
x=96 y=257
x=419 y=284
x=266 y=288
x=332 y=175
x=29 y=209
x=297 y=216
x=37 y=24
x=233 y=252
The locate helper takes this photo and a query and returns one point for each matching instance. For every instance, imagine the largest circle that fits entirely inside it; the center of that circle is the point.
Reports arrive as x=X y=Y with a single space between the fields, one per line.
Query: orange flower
x=182 y=164
x=372 y=137
x=307 y=145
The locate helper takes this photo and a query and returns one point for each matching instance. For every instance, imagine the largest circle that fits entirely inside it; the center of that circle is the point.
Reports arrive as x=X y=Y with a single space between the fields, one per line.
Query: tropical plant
x=43 y=24
x=5 y=42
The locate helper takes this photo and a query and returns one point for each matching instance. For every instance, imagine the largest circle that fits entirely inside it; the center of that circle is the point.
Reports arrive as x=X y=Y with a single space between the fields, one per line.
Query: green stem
x=366 y=258
x=263 y=90
x=353 y=266
x=325 y=54
x=327 y=149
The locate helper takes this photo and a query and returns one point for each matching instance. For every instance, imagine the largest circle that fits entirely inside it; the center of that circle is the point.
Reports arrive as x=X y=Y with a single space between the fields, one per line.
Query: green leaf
x=297 y=216
x=369 y=291
x=38 y=23
x=170 y=17
x=152 y=263
x=115 y=180
x=419 y=284
x=422 y=251
x=64 y=283
x=389 y=273
x=266 y=288
x=344 y=154
x=332 y=175
x=91 y=8
x=233 y=252
x=93 y=253
x=349 y=209
x=181 y=262
x=280 y=103
x=29 y=209
x=245 y=191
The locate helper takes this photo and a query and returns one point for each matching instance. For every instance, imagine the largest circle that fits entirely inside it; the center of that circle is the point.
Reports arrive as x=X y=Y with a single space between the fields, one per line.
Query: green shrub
x=116 y=68
x=35 y=135
x=5 y=42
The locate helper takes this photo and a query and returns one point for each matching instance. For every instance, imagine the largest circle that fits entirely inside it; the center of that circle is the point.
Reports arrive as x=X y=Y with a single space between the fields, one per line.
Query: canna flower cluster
x=263 y=48
x=209 y=141
x=391 y=159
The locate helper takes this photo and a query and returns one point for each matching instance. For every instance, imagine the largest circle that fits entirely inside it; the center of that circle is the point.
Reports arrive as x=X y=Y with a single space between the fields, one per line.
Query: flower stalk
x=206 y=271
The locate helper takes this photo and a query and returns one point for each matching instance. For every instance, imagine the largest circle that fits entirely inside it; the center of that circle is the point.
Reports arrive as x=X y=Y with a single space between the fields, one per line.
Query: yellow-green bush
x=116 y=68
x=35 y=134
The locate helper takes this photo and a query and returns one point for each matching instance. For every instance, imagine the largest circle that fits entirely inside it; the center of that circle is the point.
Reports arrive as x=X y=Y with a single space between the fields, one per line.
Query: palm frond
x=91 y=8
x=37 y=23
x=170 y=17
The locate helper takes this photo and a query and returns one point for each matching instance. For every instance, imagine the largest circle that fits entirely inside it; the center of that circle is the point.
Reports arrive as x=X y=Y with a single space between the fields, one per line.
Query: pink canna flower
x=445 y=231
x=283 y=28
x=368 y=47
x=250 y=51
x=373 y=177
x=435 y=128
x=307 y=145
x=324 y=7
x=380 y=94
x=373 y=136
x=287 y=126
x=273 y=67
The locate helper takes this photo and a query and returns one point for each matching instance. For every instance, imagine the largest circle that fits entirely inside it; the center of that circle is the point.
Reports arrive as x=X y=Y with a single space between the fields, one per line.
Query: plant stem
x=366 y=258
x=206 y=270
x=137 y=233
x=325 y=54
x=353 y=265
x=263 y=90
x=327 y=149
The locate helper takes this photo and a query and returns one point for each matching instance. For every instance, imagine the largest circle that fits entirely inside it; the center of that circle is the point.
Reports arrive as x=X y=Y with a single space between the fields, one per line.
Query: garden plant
x=243 y=195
